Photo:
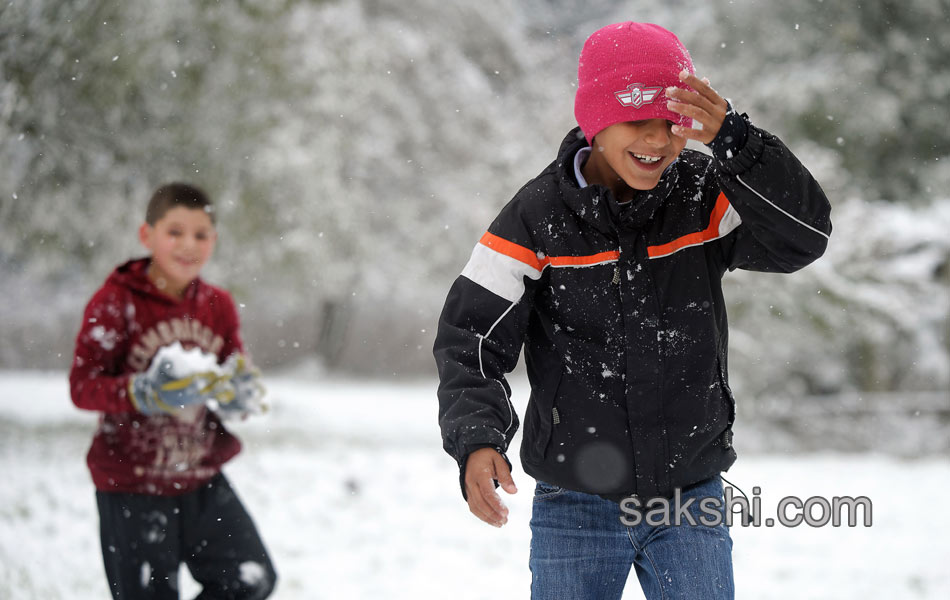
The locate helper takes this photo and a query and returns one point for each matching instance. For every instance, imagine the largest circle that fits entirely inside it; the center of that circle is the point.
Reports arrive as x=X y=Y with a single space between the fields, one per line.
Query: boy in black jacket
x=607 y=269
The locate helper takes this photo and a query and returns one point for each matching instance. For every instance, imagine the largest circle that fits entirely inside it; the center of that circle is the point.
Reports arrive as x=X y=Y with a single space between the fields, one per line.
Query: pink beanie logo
x=636 y=95
x=622 y=72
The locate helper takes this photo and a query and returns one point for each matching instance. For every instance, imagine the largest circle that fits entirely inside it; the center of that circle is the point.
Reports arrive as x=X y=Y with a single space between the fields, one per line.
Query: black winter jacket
x=621 y=314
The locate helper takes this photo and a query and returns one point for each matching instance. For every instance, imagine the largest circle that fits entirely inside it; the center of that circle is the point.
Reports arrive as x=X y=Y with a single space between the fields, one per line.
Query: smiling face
x=632 y=155
x=181 y=242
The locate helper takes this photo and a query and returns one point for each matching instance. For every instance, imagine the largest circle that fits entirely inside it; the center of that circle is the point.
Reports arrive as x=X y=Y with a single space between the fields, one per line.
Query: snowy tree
x=357 y=149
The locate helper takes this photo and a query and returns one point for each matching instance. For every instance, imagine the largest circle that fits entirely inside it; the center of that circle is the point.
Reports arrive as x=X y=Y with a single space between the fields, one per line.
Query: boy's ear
x=145 y=233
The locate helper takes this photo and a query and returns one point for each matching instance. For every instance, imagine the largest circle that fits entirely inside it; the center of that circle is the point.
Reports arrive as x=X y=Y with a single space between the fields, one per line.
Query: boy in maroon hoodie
x=156 y=457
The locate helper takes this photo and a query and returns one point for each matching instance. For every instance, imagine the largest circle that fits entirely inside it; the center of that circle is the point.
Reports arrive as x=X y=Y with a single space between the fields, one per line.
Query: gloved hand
x=158 y=390
x=247 y=390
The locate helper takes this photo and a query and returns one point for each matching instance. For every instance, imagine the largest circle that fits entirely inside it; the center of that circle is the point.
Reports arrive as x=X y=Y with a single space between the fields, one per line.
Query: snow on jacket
x=621 y=314
x=125 y=323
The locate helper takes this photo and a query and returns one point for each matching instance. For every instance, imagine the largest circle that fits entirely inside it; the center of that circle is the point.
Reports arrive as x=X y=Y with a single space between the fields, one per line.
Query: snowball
x=184 y=362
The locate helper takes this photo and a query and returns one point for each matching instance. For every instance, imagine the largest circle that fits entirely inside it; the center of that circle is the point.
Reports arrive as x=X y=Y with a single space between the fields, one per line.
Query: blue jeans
x=580 y=549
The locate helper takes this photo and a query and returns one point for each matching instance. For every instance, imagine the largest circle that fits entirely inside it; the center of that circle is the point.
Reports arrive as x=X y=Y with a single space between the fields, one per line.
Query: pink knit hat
x=623 y=73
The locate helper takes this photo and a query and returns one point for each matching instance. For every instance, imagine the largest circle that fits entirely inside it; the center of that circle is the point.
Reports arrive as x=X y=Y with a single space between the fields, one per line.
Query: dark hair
x=175 y=194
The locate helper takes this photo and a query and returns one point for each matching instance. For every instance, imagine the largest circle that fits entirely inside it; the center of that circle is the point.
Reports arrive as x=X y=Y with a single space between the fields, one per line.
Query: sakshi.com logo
x=712 y=511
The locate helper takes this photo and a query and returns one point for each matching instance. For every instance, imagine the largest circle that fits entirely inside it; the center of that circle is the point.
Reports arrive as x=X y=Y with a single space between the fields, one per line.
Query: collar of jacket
x=133 y=274
x=596 y=203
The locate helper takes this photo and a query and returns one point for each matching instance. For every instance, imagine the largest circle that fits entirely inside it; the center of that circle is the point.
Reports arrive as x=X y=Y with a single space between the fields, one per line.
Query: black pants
x=146 y=538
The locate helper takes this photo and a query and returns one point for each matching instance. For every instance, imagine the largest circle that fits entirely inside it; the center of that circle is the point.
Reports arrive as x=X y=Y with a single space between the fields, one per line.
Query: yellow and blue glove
x=159 y=391
x=247 y=392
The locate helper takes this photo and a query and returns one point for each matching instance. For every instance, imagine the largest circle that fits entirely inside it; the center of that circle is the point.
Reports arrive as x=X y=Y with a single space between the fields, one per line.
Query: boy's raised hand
x=482 y=469
x=703 y=104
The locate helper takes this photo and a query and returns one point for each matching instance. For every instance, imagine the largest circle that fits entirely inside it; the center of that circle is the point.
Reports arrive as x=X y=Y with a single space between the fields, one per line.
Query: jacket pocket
x=727 y=391
x=730 y=400
x=541 y=419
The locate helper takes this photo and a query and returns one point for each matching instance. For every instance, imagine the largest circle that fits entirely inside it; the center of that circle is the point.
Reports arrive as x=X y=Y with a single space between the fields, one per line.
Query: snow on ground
x=355 y=499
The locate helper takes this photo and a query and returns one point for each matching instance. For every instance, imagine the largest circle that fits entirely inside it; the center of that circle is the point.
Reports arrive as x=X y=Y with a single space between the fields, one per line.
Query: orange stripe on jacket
x=583 y=261
x=519 y=253
x=526 y=256
x=699 y=237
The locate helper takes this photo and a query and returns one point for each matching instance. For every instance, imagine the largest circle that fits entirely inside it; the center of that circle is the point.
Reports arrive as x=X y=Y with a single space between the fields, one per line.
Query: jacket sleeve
x=480 y=335
x=785 y=216
x=97 y=378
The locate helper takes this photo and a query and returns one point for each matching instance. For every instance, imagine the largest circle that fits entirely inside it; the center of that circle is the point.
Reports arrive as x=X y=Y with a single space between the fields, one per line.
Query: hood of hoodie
x=596 y=203
x=134 y=276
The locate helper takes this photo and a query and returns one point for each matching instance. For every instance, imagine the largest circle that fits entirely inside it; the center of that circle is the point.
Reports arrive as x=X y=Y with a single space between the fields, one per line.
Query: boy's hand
x=245 y=378
x=247 y=392
x=160 y=392
x=704 y=105
x=482 y=469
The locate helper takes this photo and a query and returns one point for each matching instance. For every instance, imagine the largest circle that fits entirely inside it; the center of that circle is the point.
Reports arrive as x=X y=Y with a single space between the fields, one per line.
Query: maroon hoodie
x=123 y=327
